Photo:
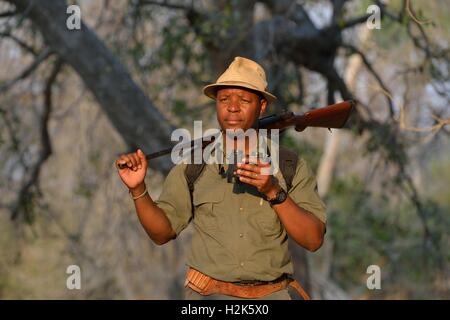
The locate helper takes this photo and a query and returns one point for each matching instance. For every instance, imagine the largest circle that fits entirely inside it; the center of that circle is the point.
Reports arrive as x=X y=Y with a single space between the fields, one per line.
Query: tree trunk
x=134 y=116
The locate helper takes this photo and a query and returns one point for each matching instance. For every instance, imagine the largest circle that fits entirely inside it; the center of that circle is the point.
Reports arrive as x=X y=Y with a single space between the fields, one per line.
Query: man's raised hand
x=134 y=168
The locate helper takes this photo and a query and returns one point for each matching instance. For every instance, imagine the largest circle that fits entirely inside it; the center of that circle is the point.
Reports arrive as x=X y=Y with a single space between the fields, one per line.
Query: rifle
x=332 y=117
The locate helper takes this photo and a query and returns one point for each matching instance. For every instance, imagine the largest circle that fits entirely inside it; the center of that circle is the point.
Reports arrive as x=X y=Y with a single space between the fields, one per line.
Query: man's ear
x=263 y=103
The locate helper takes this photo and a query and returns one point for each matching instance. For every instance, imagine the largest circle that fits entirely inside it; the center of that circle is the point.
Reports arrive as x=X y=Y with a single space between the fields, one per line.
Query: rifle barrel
x=333 y=116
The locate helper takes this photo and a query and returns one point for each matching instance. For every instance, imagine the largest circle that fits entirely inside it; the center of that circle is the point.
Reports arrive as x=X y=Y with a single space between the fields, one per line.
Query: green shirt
x=237 y=236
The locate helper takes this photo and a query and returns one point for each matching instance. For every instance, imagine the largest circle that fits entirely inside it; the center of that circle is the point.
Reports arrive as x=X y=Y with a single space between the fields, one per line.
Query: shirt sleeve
x=175 y=199
x=304 y=191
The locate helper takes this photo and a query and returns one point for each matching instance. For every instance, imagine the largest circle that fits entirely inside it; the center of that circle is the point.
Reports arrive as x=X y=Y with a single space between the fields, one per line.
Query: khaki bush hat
x=244 y=73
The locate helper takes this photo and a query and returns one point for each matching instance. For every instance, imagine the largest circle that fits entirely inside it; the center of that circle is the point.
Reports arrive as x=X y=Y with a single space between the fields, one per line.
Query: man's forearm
x=301 y=225
x=152 y=218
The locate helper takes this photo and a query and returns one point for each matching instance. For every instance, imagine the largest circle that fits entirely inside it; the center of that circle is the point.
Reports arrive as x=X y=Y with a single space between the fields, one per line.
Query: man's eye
x=245 y=101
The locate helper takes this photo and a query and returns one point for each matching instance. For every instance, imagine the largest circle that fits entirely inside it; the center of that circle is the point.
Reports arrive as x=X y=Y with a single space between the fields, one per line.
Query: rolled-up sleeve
x=175 y=199
x=304 y=191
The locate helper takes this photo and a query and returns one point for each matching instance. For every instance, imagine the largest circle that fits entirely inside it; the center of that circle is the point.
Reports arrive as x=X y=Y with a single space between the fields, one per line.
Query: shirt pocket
x=206 y=208
x=268 y=223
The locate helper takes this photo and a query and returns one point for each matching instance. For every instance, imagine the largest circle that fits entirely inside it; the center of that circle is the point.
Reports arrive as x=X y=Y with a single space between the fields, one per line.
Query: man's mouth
x=233 y=121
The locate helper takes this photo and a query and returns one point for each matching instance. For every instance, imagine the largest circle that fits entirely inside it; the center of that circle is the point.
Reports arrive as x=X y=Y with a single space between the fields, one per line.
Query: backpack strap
x=288 y=165
x=192 y=172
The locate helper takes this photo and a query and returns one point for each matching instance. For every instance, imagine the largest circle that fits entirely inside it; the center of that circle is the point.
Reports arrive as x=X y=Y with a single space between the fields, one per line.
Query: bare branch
x=417 y=41
x=338 y=6
x=20 y=42
x=440 y=123
x=163 y=4
x=301 y=85
x=25 y=194
x=29 y=70
x=407 y=9
x=374 y=73
x=410 y=11
x=338 y=83
x=341 y=25
x=8 y=14
x=330 y=93
x=19 y=17
x=411 y=192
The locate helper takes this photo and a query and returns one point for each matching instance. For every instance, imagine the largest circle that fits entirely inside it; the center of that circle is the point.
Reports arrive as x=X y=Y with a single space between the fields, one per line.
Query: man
x=239 y=247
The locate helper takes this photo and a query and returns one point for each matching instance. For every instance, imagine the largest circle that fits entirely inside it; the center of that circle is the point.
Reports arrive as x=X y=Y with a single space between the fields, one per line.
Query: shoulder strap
x=192 y=172
x=288 y=165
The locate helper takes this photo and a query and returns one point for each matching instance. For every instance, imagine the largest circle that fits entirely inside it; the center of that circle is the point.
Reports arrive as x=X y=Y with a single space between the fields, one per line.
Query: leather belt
x=205 y=285
x=258 y=282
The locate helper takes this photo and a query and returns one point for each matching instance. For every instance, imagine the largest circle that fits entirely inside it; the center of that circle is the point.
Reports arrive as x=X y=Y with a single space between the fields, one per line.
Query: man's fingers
x=119 y=163
x=249 y=181
x=138 y=161
x=142 y=157
x=125 y=160
x=248 y=174
x=262 y=162
x=248 y=167
x=135 y=160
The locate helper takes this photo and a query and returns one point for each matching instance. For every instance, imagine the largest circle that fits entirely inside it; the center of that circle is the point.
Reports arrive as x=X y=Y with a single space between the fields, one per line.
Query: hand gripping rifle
x=332 y=117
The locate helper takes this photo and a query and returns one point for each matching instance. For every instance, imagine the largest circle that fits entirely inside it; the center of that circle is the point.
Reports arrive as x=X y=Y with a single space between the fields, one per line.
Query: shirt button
x=240 y=209
x=242 y=264
x=240 y=235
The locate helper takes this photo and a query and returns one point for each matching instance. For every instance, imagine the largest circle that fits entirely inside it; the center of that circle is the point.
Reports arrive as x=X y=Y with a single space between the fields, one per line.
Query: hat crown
x=246 y=71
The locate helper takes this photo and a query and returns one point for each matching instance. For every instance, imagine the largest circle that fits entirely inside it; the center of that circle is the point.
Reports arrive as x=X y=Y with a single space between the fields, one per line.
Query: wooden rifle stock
x=334 y=116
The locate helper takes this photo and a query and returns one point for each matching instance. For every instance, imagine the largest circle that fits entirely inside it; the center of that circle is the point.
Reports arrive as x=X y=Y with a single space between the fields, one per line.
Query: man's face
x=238 y=108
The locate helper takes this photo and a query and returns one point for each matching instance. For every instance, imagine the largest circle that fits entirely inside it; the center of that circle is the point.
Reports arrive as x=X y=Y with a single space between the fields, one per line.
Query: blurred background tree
x=72 y=100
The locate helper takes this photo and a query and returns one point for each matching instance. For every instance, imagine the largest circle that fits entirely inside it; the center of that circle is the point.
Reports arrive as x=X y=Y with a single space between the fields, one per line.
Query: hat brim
x=211 y=90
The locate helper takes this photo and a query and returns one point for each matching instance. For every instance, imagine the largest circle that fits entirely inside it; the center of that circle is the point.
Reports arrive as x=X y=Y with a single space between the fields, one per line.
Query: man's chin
x=235 y=130
x=234 y=127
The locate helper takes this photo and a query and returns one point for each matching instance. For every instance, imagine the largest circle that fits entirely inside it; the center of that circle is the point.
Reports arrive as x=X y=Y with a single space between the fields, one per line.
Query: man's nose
x=234 y=106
